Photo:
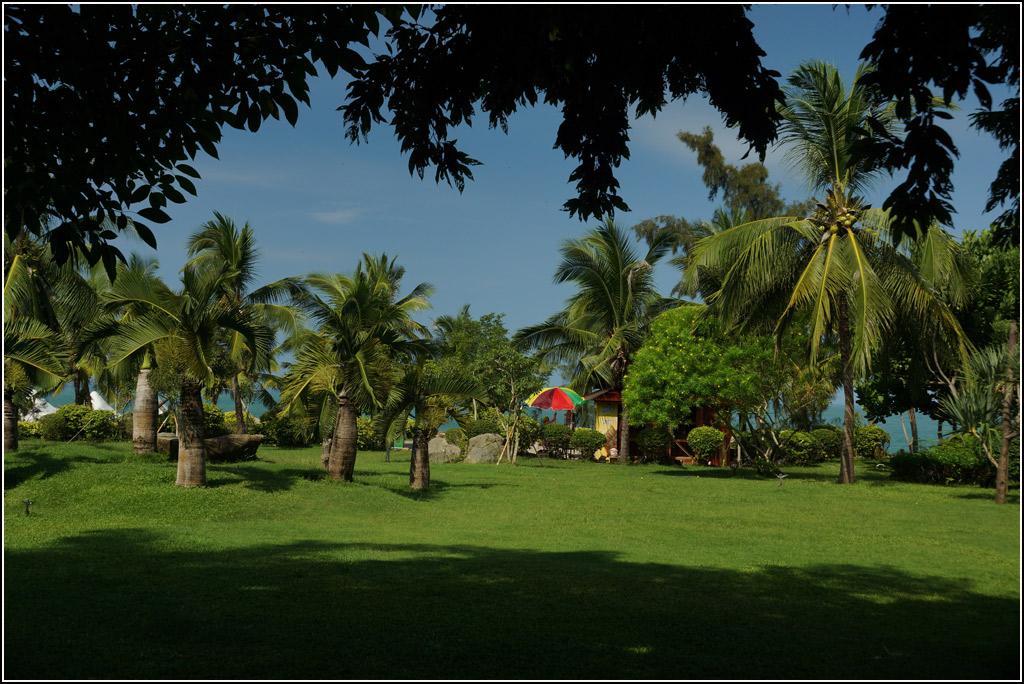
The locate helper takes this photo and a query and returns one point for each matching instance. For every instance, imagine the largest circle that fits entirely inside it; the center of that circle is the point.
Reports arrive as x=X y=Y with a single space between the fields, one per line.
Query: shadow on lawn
x=40 y=464
x=125 y=604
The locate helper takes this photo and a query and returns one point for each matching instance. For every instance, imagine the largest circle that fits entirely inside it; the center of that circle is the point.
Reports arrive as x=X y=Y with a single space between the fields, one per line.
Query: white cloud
x=336 y=218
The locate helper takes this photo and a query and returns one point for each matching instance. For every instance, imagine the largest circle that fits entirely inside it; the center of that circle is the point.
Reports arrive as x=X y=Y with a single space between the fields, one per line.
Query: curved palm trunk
x=419 y=465
x=144 y=415
x=236 y=393
x=191 y=453
x=10 y=422
x=342 y=461
x=846 y=357
x=80 y=381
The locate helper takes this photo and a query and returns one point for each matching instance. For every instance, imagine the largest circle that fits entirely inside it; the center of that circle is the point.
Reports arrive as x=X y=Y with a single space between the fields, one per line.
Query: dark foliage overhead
x=948 y=50
x=596 y=64
x=105 y=103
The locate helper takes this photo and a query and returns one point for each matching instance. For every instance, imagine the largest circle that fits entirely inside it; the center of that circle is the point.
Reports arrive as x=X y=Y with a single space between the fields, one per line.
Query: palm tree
x=221 y=247
x=841 y=264
x=606 y=321
x=188 y=322
x=35 y=290
x=421 y=390
x=362 y=323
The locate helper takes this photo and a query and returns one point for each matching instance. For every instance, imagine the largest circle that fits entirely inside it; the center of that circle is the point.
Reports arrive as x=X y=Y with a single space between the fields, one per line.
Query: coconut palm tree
x=606 y=321
x=362 y=323
x=221 y=247
x=841 y=265
x=188 y=322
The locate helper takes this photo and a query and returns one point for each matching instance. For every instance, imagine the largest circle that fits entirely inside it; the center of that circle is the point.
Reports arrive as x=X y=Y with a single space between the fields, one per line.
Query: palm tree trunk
x=846 y=475
x=1010 y=382
x=10 y=422
x=624 y=436
x=342 y=462
x=191 y=452
x=144 y=415
x=80 y=381
x=914 y=443
x=236 y=392
x=419 y=465
x=940 y=431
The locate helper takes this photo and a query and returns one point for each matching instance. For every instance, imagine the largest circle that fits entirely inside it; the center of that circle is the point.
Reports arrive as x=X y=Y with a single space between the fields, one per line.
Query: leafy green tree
x=842 y=265
x=189 y=322
x=345 y=367
x=221 y=247
x=606 y=321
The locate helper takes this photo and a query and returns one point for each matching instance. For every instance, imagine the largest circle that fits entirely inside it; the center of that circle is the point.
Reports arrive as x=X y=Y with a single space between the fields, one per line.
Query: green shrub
x=213 y=421
x=870 y=441
x=28 y=429
x=800 y=448
x=251 y=426
x=99 y=426
x=529 y=431
x=53 y=427
x=831 y=441
x=652 y=442
x=367 y=438
x=76 y=417
x=457 y=436
x=587 y=441
x=705 y=441
x=556 y=437
x=285 y=431
x=483 y=426
x=960 y=460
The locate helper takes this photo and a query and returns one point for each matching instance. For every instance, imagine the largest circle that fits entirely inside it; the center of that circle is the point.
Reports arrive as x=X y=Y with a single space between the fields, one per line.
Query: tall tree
x=842 y=264
x=188 y=323
x=152 y=85
x=362 y=323
x=606 y=320
x=221 y=248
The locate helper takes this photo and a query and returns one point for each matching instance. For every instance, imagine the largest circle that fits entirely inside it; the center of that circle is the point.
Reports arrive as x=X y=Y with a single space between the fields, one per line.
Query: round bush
x=76 y=417
x=652 y=442
x=283 y=431
x=251 y=426
x=587 y=441
x=213 y=421
x=53 y=427
x=367 y=438
x=705 y=441
x=483 y=426
x=556 y=437
x=831 y=441
x=870 y=441
x=801 y=448
x=28 y=429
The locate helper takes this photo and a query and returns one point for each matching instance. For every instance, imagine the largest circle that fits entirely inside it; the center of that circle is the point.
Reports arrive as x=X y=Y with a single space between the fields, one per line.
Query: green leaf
x=188 y=170
x=145 y=234
x=155 y=215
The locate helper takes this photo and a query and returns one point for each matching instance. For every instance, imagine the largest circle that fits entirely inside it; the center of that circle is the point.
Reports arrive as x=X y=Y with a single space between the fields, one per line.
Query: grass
x=572 y=570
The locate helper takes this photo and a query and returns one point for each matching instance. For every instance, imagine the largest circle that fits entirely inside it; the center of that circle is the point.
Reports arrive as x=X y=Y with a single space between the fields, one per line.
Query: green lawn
x=573 y=570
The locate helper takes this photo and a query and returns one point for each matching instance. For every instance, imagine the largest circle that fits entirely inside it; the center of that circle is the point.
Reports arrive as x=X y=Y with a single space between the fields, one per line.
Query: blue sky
x=316 y=203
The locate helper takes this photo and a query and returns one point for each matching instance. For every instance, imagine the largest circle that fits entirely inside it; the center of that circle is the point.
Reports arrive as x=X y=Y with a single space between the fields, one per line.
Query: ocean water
x=927 y=428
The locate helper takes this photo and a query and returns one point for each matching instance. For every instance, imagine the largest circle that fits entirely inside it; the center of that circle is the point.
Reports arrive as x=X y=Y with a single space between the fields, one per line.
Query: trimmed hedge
x=960 y=460
x=556 y=437
x=704 y=441
x=870 y=441
x=587 y=441
x=831 y=441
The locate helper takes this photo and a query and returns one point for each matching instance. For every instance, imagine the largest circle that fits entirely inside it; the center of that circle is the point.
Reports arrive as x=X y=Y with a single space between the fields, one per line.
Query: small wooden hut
x=607 y=415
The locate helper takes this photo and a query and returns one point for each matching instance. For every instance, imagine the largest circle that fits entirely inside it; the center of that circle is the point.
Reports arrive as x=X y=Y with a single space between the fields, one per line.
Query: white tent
x=99 y=403
x=39 y=409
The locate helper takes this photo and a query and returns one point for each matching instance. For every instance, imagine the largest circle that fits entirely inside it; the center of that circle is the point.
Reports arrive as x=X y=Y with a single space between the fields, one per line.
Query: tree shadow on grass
x=40 y=464
x=127 y=604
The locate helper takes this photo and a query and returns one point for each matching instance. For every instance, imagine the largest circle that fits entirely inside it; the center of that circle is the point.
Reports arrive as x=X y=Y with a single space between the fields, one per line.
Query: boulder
x=232 y=447
x=440 y=451
x=167 y=443
x=223 y=448
x=485 y=448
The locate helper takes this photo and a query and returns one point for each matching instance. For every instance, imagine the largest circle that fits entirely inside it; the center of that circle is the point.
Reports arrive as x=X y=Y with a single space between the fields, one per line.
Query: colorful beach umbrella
x=556 y=399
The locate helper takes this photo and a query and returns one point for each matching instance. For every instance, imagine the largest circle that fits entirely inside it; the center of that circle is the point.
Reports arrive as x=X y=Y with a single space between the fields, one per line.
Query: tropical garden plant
x=841 y=265
x=605 y=322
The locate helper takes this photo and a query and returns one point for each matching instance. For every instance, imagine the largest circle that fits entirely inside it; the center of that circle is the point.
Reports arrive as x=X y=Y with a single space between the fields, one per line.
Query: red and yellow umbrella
x=556 y=399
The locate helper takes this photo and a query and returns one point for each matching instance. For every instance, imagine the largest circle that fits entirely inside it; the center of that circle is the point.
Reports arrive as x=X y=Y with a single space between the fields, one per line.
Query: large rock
x=167 y=443
x=440 y=451
x=223 y=448
x=232 y=447
x=485 y=448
